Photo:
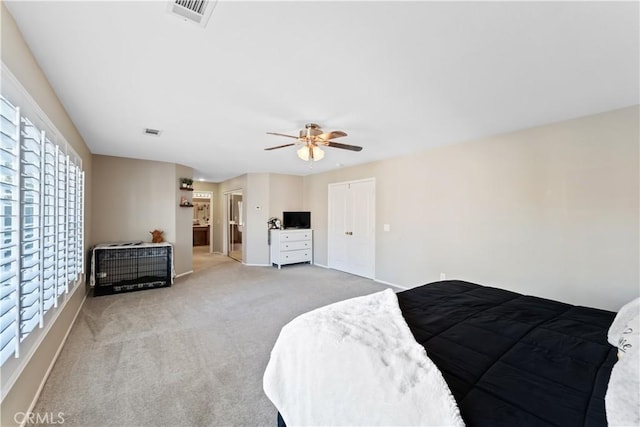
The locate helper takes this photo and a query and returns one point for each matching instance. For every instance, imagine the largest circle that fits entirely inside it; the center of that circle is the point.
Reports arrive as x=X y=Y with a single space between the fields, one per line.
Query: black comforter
x=514 y=360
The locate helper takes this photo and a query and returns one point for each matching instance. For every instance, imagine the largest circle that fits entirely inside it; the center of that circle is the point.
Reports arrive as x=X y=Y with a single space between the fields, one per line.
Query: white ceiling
x=398 y=77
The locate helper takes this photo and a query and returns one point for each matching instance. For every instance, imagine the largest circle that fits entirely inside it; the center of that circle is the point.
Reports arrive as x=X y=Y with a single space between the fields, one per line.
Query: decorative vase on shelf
x=186 y=183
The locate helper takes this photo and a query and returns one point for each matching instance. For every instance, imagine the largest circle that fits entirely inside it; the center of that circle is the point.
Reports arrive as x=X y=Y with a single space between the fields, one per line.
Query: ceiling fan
x=312 y=138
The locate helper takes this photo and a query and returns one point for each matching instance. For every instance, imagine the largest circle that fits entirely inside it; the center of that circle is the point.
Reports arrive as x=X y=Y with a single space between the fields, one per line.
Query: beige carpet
x=189 y=355
x=203 y=259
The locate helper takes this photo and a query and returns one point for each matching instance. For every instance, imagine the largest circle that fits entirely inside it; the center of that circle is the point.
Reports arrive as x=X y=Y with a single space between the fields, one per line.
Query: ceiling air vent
x=154 y=132
x=196 y=11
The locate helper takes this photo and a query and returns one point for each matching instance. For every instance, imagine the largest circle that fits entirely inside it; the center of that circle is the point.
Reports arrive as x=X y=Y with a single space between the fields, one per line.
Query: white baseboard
x=404 y=288
x=384 y=282
x=183 y=274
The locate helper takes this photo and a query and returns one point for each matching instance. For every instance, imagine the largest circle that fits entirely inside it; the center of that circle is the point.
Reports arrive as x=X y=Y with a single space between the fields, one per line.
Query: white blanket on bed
x=356 y=363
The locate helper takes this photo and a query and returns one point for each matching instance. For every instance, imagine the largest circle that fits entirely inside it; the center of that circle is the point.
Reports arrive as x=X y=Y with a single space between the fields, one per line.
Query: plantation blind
x=30 y=277
x=41 y=252
x=9 y=281
x=48 y=225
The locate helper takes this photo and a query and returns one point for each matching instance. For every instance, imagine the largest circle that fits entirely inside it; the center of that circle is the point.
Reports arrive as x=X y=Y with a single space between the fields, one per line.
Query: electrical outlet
x=442 y=276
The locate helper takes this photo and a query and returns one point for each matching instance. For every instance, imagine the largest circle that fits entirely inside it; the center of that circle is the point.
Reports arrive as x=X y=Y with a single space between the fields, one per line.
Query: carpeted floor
x=203 y=259
x=189 y=355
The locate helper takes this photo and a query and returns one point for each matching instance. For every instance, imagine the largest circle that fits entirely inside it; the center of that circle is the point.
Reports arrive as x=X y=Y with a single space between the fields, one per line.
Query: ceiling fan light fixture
x=311 y=138
x=308 y=152
x=303 y=153
x=318 y=154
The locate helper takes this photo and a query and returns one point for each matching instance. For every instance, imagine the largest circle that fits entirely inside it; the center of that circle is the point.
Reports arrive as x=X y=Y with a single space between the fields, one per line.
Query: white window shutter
x=30 y=303
x=9 y=245
x=61 y=231
x=41 y=228
x=49 y=226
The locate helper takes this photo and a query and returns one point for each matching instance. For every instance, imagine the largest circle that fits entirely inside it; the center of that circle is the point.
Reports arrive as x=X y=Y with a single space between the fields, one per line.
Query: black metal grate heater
x=126 y=269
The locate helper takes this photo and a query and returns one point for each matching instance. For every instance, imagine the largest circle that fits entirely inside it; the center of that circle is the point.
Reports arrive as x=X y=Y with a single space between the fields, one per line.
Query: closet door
x=337 y=242
x=351 y=237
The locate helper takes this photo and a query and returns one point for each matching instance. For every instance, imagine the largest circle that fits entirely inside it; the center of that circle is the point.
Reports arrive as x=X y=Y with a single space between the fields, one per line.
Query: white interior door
x=351 y=239
x=337 y=243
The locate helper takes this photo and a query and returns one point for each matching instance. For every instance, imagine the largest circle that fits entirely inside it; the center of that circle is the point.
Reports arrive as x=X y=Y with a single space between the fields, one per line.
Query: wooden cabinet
x=200 y=235
x=291 y=247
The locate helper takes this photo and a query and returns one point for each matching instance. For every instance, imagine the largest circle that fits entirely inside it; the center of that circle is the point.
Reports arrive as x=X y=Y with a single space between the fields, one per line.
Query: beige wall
x=255 y=198
x=285 y=194
x=264 y=196
x=20 y=61
x=183 y=240
x=133 y=197
x=256 y=207
x=549 y=211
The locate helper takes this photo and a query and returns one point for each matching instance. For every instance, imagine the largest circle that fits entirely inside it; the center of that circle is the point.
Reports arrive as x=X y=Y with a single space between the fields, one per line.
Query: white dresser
x=291 y=246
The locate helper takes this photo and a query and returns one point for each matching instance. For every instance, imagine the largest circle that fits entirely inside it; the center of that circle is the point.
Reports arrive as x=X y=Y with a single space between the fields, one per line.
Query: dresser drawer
x=292 y=236
x=296 y=256
x=295 y=245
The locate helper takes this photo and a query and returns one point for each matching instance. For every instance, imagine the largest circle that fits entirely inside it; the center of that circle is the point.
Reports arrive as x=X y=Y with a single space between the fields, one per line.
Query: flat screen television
x=296 y=219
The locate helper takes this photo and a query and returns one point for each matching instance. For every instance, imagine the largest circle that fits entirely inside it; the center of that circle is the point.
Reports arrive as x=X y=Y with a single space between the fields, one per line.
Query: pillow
x=622 y=400
x=630 y=337
x=624 y=332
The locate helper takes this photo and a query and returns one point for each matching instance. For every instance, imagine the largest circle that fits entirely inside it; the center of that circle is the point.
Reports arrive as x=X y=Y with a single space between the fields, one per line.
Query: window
x=41 y=251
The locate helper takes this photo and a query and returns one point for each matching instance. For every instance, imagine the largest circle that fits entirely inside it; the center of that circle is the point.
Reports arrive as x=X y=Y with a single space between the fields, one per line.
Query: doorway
x=351 y=229
x=235 y=224
x=202 y=230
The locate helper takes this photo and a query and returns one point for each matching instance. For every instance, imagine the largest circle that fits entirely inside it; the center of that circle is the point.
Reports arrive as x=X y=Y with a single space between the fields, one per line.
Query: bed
x=511 y=359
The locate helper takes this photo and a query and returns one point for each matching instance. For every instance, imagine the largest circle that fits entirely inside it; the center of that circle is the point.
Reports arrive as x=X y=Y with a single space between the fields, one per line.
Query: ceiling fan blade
x=330 y=135
x=279 y=146
x=343 y=146
x=282 y=134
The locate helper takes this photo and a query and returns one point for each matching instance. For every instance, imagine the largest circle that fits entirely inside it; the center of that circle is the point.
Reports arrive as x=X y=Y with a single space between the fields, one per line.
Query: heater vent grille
x=194 y=6
x=196 y=11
